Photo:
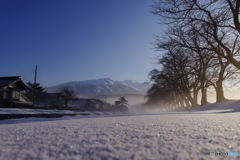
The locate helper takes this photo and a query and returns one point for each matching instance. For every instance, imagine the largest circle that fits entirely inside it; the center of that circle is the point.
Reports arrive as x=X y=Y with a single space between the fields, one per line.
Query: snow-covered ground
x=169 y=135
x=33 y=111
x=9 y=113
x=19 y=111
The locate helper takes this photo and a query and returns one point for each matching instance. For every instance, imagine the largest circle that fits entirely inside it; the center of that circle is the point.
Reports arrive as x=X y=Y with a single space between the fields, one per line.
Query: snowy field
x=21 y=111
x=175 y=135
x=33 y=111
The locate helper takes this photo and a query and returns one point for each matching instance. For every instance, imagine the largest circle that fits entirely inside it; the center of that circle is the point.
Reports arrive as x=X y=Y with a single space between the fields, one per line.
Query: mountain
x=103 y=86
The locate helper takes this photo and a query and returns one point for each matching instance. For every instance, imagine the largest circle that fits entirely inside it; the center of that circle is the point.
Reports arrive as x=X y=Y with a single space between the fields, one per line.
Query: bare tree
x=67 y=94
x=210 y=30
x=212 y=70
x=216 y=20
x=163 y=93
x=121 y=104
x=177 y=78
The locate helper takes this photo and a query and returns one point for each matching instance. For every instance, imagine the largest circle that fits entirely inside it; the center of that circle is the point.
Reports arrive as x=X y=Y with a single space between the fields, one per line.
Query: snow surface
x=222 y=107
x=34 y=111
x=169 y=135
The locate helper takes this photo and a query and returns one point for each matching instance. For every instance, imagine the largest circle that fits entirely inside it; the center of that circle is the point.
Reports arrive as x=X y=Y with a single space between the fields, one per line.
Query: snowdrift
x=223 y=107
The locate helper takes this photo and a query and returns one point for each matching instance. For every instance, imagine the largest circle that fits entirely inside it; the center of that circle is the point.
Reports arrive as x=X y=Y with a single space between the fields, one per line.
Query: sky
x=77 y=40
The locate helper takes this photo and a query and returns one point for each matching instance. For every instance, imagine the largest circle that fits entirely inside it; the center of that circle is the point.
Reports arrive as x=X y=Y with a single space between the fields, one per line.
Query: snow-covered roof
x=6 y=81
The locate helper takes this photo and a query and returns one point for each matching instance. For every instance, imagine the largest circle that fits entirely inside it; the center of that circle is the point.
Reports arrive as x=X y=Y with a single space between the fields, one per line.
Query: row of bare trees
x=200 y=49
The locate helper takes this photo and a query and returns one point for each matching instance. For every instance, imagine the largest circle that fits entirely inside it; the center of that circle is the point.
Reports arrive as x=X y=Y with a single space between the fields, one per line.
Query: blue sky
x=77 y=40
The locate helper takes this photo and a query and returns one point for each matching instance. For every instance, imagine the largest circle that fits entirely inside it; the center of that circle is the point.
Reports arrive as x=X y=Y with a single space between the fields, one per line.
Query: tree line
x=199 y=50
x=36 y=92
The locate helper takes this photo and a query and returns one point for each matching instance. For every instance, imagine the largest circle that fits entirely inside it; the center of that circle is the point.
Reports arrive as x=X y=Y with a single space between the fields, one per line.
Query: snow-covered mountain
x=103 y=86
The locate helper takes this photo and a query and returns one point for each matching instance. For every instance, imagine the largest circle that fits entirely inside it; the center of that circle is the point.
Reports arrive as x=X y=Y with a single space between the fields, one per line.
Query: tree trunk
x=193 y=102
x=195 y=97
x=181 y=101
x=204 y=97
x=219 y=92
x=188 y=105
x=176 y=104
x=219 y=84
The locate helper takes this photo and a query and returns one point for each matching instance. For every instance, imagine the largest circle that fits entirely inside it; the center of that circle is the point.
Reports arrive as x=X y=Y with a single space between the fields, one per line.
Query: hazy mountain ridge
x=103 y=86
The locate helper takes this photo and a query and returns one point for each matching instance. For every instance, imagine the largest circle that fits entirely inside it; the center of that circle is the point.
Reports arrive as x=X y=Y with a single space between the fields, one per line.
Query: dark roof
x=5 y=81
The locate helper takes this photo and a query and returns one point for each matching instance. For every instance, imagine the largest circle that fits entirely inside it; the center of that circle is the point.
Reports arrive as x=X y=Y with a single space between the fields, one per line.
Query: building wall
x=1 y=101
x=7 y=94
x=1 y=92
x=1 y=96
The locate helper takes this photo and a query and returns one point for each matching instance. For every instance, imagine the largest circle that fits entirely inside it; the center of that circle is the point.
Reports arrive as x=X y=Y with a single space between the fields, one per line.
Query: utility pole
x=34 y=86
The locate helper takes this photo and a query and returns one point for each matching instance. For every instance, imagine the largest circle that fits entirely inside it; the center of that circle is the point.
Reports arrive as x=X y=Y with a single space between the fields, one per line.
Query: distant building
x=11 y=92
x=55 y=99
x=90 y=104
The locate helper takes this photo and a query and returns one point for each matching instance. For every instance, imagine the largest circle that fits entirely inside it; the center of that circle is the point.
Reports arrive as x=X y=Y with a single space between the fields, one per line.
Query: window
x=16 y=95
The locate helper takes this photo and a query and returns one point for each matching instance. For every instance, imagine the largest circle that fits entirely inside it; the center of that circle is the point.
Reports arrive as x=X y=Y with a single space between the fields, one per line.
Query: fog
x=136 y=102
x=229 y=94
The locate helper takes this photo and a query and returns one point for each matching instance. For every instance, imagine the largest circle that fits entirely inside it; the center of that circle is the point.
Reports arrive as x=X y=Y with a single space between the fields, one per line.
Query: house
x=11 y=92
x=90 y=104
x=51 y=100
x=55 y=99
